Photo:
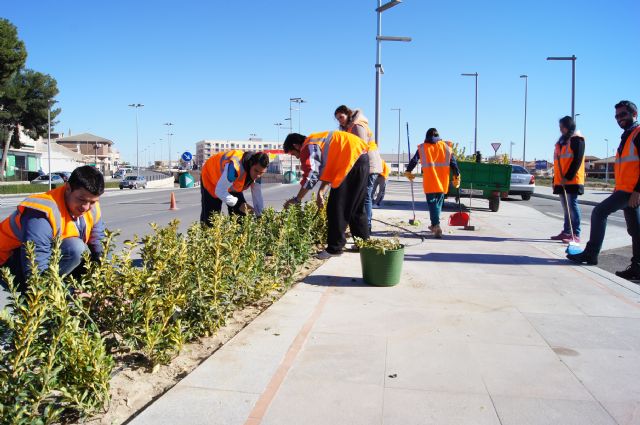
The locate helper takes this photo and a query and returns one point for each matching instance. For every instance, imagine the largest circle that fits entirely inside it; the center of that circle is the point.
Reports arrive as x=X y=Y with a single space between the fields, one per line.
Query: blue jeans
x=368 y=200
x=434 y=202
x=617 y=201
x=574 y=210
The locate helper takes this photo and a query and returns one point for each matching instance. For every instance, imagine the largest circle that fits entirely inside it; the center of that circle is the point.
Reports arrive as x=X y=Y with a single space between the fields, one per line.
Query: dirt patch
x=133 y=387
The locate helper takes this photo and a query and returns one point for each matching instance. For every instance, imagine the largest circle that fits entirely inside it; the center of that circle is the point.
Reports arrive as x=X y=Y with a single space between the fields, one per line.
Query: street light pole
x=399 y=112
x=299 y=101
x=524 y=140
x=278 y=124
x=606 y=159
x=475 y=137
x=136 y=106
x=573 y=59
x=49 y=140
x=511 y=152
x=169 y=134
x=379 y=71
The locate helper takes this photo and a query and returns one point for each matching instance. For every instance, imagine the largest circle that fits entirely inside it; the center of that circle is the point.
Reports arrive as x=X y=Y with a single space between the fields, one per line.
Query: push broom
x=412 y=221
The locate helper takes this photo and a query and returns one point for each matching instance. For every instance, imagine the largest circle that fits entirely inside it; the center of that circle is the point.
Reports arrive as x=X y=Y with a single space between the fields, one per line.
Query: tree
x=12 y=51
x=26 y=98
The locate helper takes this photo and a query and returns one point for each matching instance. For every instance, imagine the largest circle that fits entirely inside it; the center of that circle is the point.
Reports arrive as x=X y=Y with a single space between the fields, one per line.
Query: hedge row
x=58 y=351
x=17 y=189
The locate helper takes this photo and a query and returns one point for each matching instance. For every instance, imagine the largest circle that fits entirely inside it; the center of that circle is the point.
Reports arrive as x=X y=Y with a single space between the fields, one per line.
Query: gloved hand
x=409 y=175
x=456 y=181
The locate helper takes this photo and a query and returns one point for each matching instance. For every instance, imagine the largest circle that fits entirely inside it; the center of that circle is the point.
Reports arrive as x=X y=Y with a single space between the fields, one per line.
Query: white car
x=44 y=179
x=523 y=183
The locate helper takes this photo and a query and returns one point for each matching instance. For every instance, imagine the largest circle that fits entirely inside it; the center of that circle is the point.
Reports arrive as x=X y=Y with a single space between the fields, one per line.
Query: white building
x=205 y=149
x=62 y=159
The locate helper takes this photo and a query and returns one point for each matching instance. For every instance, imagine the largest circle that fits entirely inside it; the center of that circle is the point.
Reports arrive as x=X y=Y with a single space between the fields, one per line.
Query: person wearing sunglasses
x=626 y=195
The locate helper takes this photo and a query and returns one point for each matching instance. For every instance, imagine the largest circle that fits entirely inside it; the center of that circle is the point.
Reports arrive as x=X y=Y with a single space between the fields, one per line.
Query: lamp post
x=524 y=139
x=278 y=124
x=511 y=152
x=95 y=158
x=379 y=71
x=575 y=120
x=290 y=131
x=169 y=134
x=475 y=137
x=399 y=112
x=606 y=159
x=49 y=103
x=136 y=106
x=573 y=59
x=299 y=101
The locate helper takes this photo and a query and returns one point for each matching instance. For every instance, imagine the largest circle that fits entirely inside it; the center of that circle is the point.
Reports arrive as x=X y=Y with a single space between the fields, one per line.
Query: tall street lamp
x=524 y=140
x=299 y=101
x=606 y=160
x=136 y=106
x=399 y=112
x=169 y=134
x=475 y=137
x=575 y=120
x=379 y=71
x=49 y=104
x=573 y=79
x=278 y=124
x=511 y=144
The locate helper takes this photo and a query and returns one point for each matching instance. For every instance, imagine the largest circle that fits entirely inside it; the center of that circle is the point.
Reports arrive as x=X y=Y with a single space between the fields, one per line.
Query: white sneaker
x=325 y=255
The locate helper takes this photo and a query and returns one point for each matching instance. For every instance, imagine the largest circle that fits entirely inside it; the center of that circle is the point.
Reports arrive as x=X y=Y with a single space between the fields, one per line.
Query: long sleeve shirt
x=310 y=163
x=577 y=146
x=224 y=184
x=37 y=229
x=453 y=163
x=636 y=142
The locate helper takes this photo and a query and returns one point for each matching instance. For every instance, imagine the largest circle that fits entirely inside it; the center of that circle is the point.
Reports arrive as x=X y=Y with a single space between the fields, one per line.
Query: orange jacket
x=52 y=204
x=340 y=151
x=213 y=168
x=627 y=166
x=435 y=159
x=562 y=159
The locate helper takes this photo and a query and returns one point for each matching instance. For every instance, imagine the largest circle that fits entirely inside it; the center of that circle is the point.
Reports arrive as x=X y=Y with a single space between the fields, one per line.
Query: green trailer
x=489 y=181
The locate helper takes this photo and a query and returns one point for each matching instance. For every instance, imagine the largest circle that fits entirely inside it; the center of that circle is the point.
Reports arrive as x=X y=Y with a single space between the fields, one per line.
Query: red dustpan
x=459 y=219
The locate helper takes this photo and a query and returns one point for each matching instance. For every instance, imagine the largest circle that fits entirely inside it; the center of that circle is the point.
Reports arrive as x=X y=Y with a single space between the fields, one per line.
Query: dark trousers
x=211 y=205
x=617 y=201
x=346 y=207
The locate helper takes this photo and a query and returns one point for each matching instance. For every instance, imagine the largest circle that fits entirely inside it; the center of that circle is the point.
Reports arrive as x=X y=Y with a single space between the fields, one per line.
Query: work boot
x=437 y=231
x=631 y=273
x=560 y=237
x=583 y=258
x=568 y=239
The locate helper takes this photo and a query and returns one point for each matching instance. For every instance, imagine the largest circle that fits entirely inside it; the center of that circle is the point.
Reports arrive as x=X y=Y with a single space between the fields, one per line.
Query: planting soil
x=133 y=387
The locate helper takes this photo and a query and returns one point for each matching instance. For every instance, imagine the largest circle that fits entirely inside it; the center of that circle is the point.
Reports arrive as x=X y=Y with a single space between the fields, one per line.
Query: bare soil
x=134 y=387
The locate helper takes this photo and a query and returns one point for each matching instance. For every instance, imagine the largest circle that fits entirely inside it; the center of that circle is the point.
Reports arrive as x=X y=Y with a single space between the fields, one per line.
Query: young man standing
x=339 y=160
x=626 y=195
x=437 y=160
x=71 y=211
x=225 y=176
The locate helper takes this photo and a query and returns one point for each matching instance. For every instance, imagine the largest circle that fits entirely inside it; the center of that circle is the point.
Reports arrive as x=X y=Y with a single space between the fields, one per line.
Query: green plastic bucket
x=381 y=269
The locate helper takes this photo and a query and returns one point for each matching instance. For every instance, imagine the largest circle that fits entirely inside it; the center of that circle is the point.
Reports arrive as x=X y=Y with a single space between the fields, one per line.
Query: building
x=205 y=149
x=23 y=163
x=392 y=160
x=95 y=150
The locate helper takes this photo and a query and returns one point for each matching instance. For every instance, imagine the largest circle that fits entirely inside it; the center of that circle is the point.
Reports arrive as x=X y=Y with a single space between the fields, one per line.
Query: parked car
x=55 y=179
x=133 y=182
x=523 y=183
x=64 y=174
x=119 y=174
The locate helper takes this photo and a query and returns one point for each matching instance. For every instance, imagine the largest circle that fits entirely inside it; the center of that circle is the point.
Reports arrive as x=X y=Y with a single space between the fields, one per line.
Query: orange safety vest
x=340 y=151
x=562 y=158
x=52 y=204
x=435 y=159
x=385 y=169
x=627 y=166
x=213 y=168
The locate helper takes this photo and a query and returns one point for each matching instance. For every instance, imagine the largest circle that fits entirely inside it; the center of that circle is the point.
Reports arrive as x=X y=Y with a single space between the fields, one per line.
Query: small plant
x=379 y=244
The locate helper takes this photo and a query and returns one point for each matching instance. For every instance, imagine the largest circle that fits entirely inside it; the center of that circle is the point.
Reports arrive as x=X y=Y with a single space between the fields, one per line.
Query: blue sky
x=227 y=69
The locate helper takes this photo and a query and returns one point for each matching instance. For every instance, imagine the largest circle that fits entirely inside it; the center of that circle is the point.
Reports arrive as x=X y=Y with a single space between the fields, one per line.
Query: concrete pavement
x=486 y=327
x=591 y=196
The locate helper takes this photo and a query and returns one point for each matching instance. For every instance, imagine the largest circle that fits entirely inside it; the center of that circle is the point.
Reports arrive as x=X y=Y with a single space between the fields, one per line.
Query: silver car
x=523 y=183
x=44 y=179
x=133 y=182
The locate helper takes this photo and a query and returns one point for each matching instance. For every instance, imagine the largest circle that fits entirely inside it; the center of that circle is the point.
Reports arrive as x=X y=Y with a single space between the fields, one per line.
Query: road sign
x=542 y=165
x=186 y=157
x=495 y=147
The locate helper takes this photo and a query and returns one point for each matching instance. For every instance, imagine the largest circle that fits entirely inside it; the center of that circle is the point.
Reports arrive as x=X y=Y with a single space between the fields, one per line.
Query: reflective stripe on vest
x=237 y=164
x=435 y=175
x=425 y=164
x=325 y=151
x=47 y=206
x=14 y=222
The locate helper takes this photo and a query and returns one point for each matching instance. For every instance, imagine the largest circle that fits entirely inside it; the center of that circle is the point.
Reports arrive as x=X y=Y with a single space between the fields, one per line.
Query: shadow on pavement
x=495 y=239
x=326 y=280
x=452 y=257
x=421 y=206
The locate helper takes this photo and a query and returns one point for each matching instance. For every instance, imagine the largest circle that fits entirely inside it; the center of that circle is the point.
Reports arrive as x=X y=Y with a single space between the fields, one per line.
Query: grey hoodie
x=359 y=125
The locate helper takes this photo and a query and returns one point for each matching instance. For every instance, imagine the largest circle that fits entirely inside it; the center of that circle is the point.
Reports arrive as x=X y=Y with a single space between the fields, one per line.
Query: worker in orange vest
x=71 y=212
x=380 y=185
x=626 y=195
x=437 y=160
x=568 y=177
x=225 y=176
x=339 y=161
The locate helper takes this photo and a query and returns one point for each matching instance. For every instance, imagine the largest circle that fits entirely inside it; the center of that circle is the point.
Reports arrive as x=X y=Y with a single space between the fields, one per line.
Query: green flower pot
x=381 y=269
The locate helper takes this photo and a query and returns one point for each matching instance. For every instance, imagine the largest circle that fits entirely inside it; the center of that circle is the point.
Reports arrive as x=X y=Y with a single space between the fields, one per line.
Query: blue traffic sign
x=187 y=156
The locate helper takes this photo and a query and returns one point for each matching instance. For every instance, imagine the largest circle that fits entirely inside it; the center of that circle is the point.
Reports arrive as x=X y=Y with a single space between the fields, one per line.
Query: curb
x=557 y=198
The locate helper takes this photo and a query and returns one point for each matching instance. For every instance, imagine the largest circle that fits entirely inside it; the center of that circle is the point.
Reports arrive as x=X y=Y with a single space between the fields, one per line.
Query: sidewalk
x=486 y=327
x=591 y=196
